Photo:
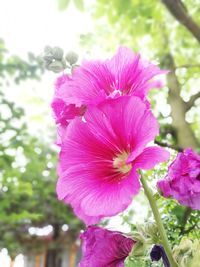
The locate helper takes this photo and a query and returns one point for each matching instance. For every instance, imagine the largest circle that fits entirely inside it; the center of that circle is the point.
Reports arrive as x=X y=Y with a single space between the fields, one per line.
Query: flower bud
x=140 y=246
x=151 y=228
x=57 y=53
x=55 y=66
x=47 y=49
x=139 y=249
x=48 y=58
x=187 y=253
x=71 y=57
x=152 y=232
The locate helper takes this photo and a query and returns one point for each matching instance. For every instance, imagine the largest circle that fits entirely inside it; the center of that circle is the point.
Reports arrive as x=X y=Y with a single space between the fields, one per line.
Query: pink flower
x=93 y=82
x=104 y=248
x=62 y=111
x=183 y=180
x=100 y=156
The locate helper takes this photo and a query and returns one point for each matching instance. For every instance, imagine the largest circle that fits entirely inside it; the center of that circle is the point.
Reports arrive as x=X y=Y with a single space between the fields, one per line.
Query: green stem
x=158 y=220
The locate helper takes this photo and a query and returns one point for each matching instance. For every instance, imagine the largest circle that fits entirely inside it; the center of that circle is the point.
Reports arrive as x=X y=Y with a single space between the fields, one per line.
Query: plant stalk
x=152 y=202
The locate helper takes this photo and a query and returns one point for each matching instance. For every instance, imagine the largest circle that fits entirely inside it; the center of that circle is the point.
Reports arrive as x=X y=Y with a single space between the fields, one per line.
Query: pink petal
x=164 y=187
x=89 y=83
x=89 y=181
x=150 y=157
x=93 y=199
x=112 y=199
x=132 y=74
x=103 y=248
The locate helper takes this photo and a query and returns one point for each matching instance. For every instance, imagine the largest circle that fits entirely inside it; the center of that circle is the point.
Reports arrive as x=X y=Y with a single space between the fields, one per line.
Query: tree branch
x=177 y=148
x=186 y=231
x=179 y=11
x=188 y=66
x=185 y=135
x=192 y=100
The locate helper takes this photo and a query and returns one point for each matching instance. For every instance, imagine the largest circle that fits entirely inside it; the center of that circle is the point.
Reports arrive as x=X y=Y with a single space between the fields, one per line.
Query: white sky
x=29 y=25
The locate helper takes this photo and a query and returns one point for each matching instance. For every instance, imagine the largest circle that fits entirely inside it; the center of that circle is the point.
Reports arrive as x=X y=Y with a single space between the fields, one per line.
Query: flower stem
x=158 y=220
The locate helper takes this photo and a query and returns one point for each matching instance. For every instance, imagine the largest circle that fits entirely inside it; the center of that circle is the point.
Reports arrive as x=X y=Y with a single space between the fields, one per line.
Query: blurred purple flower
x=104 y=248
x=183 y=180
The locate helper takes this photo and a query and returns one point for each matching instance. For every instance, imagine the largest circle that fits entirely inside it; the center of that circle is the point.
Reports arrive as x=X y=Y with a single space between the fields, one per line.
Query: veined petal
x=94 y=176
x=94 y=81
x=150 y=157
x=132 y=74
x=104 y=248
x=91 y=197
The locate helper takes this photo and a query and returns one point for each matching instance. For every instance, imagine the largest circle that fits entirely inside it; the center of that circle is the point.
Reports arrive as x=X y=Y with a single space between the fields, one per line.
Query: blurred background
x=35 y=229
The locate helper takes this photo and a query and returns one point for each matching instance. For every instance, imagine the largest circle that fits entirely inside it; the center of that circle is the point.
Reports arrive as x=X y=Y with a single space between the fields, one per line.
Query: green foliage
x=27 y=171
x=63 y=4
x=79 y=4
x=18 y=69
x=135 y=262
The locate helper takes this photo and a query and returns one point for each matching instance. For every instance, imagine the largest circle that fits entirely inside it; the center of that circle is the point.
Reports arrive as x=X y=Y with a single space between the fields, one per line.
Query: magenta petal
x=94 y=177
x=183 y=180
x=59 y=82
x=94 y=81
x=148 y=130
x=90 y=83
x=164 y=187
x=111 y=200
x=150 y=157
x=104 y=248
x=132 y=74
x=92 y=199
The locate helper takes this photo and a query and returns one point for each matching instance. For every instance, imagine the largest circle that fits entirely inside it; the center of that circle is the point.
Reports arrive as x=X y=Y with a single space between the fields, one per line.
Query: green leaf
x=63 y=4
x=134 y=262
x=79 y=4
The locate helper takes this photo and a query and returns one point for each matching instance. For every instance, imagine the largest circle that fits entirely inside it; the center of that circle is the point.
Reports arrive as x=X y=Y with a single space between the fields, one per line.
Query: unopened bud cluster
x=145 y=236
x=54 y=60
x=187 y=253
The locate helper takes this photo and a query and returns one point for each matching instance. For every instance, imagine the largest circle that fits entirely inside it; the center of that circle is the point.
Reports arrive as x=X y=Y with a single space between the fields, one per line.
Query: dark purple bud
x=158 y=253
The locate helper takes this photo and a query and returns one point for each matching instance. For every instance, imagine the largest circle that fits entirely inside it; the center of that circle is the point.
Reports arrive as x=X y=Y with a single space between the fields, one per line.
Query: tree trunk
x=179 y=11
x=54 y=255
x=53 y=258
x=185 y=135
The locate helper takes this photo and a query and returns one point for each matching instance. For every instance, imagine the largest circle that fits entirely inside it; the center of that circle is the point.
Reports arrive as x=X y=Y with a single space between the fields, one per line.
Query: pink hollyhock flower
x=104 y=248
x=183 y=180
x=90 y=84
x=100 y=156
x=63 y=112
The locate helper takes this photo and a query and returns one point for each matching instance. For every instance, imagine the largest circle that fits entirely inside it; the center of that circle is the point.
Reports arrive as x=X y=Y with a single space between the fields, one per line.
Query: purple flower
x=104 y=248
x=183 y=180
x=157 y=253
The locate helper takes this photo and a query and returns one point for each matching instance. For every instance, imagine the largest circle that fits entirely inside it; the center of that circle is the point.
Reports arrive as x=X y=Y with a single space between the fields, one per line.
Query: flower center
x=120 y=164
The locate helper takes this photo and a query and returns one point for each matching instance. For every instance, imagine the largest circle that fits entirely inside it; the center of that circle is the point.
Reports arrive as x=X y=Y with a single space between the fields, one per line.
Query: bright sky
x=30 y=25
